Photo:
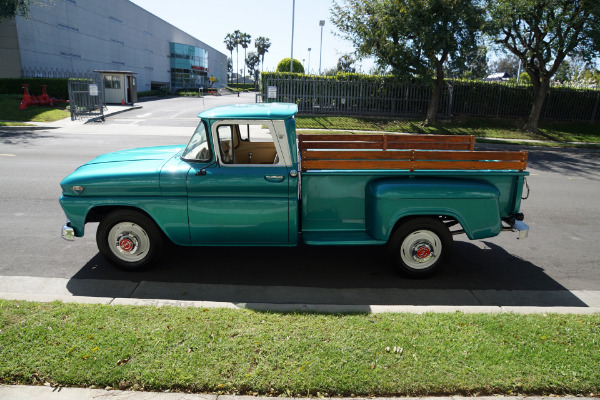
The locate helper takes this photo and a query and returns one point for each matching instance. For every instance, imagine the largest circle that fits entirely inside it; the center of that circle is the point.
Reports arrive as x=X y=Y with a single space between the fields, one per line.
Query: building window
x=189 y=66
x=112 y=82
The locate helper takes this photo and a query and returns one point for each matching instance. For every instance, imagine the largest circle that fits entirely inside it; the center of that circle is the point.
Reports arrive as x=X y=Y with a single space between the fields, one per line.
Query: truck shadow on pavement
x=23 y=135
x=327 y=275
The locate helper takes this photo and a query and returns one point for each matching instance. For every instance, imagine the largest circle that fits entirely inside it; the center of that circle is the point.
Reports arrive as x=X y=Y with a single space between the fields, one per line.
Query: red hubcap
x=423 y=252
x=126 y=244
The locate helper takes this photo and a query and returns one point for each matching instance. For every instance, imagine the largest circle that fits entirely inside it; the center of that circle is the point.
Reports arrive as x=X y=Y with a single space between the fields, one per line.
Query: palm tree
x=236 y=37
x=262 y=45
x=245 y=40
x=230 y=44
x=252 y=62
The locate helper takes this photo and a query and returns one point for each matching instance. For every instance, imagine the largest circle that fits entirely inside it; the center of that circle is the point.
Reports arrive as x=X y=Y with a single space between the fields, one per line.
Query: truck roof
x=251 y=111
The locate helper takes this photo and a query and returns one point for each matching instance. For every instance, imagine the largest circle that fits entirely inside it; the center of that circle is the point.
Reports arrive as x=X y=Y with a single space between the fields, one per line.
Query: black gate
x=86 y=97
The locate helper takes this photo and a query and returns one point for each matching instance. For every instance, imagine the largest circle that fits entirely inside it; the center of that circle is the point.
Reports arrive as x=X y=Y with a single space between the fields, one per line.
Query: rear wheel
x=129 y=239
x=420 y=247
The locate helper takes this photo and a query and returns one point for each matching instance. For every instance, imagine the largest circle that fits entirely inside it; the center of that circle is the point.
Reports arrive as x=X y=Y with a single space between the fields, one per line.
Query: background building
x=110 y=35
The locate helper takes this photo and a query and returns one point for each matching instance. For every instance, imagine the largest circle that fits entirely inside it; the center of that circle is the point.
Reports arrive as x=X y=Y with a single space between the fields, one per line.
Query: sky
x=210 y=21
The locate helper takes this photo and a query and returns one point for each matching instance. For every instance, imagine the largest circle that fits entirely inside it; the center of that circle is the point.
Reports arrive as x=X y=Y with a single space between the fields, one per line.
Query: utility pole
x=292 y=55
x=321 y=24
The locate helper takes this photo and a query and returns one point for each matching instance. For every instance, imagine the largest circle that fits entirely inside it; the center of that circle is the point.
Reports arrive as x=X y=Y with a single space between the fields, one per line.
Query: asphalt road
x=560 y=254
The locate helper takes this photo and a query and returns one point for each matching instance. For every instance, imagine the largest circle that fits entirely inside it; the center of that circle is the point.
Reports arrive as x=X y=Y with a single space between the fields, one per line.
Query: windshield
x=198 y=148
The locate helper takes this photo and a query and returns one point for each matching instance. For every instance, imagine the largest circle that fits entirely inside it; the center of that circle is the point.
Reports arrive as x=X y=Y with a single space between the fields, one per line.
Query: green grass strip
x=481 y=127
x=9 y=110
x=298 y=354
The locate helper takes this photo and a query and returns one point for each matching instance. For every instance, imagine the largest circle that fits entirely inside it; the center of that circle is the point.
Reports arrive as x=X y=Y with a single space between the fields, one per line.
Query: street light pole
x=292 y=55
x=308 y=70
x=321 y=24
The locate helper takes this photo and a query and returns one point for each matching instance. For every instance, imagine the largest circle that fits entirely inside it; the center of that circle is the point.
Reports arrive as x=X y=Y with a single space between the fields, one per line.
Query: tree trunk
x=540 y=89
x=434 y=101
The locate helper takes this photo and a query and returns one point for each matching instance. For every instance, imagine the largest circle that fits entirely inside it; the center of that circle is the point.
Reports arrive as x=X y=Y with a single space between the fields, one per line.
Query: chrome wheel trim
x=128 y=242
x=421 y=249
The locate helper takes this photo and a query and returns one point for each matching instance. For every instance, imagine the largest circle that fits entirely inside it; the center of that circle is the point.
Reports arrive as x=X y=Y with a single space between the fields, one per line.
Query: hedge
x=57 y=87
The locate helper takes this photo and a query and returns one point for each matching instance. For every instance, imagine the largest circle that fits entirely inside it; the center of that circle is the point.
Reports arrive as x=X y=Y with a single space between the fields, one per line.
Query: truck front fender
x=169 y=213
x=474 y=204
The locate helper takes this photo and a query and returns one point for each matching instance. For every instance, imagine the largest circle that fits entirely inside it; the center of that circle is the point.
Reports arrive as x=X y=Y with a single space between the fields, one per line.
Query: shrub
x=57 y=87
x=284 y=66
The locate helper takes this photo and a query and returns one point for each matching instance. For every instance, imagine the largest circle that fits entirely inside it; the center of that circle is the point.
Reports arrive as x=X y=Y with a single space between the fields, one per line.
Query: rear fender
x=474 y=204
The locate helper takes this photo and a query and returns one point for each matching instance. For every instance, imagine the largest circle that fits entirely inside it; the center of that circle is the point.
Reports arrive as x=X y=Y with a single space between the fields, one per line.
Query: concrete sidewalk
x=50 y=393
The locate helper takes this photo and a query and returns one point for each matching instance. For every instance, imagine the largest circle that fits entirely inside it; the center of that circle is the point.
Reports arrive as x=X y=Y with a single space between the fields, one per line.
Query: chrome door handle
x=274 y=178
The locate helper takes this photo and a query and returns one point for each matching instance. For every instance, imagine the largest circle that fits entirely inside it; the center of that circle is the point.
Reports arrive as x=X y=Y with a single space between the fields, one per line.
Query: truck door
x=244 y=198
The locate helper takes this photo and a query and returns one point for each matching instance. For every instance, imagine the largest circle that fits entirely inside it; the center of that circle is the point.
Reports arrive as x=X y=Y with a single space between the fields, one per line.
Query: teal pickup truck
x=246 y=179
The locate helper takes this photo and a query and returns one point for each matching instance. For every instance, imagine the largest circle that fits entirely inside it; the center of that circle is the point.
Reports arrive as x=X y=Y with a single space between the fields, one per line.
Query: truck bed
x=348 y=181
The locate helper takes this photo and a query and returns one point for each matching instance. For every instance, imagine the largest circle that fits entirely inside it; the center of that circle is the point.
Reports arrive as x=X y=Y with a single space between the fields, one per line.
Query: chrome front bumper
x=67 y=232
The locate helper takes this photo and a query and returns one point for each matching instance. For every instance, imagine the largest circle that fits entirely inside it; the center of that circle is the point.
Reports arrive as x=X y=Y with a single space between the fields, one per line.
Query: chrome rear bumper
x=523 y=229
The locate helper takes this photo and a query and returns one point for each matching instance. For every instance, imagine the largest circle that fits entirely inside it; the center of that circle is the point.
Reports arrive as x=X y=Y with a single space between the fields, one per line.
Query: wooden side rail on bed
x=387 y=142
x=337 y=155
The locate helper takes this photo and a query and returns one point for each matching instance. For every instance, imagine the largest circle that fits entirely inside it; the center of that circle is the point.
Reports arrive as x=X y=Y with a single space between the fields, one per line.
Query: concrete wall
x=87 y=35
x=10 y=61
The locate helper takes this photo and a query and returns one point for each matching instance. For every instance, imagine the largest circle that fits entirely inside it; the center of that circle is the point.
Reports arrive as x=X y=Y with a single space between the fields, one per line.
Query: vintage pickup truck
x=246 y=179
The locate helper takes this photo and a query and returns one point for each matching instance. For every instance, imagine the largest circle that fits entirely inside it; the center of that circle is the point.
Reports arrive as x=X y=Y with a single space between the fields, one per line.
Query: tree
x=564 y=73
x=245 y=40
x=230 y=43
x=9 y=9
x=470 y=64
x=253 y=61
x=413 y=37
x=262 y=45
x=284 y=66
x=236 y=37
x=541 y=33
x=345 y=62
x=230 y=69
x=509 y=64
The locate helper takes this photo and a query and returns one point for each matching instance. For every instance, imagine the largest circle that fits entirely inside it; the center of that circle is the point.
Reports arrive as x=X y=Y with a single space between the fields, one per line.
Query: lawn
x=298 y=354
x=9 y=111
x=481 y=127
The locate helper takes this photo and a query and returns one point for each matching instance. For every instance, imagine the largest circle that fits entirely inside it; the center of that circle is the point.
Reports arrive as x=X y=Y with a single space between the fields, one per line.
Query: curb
x=297 y=298
x=309 y=308
x=111 y=113
x=65 y=393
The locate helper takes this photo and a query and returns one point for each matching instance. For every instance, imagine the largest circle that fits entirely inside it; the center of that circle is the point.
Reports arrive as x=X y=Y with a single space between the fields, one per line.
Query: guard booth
x=120 y=87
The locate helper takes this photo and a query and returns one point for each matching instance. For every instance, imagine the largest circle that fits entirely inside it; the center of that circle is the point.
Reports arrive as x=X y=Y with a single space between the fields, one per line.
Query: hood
x=160 y=153
x=122 y=173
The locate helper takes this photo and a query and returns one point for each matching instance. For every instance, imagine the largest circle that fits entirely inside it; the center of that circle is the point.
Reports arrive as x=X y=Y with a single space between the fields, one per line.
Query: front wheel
x=420 y=247
x=129 y=239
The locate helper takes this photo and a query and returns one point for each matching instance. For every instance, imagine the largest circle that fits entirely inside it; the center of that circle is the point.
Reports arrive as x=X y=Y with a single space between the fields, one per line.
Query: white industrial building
x=108 y=35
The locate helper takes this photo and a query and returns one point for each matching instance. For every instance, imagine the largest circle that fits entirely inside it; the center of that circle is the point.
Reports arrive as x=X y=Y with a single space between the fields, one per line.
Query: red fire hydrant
x=27 y=100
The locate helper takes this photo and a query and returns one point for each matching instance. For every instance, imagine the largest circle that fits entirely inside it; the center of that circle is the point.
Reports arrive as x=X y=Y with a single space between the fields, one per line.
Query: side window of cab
x=251 y=143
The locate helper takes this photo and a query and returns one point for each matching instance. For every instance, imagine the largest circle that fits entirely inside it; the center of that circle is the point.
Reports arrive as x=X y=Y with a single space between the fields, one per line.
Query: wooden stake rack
x=406 y=152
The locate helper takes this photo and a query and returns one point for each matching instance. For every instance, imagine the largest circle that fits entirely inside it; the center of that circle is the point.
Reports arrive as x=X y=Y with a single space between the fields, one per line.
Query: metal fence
x=315 y=95
x=86 y=98
x=86 y=94
x=43 y=72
